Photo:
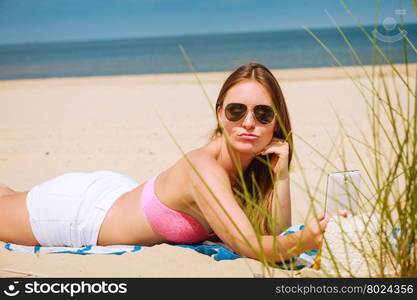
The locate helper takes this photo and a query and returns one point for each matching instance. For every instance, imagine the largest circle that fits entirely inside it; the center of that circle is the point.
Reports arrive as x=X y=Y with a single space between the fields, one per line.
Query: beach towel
x=216 y=250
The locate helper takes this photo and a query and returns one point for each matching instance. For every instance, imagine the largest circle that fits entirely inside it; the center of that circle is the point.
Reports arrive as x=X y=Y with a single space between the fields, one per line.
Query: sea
x=208 y=52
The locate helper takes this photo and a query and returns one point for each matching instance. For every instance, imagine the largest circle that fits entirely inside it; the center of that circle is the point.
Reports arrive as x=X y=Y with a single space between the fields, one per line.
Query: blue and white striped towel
x=217 y=251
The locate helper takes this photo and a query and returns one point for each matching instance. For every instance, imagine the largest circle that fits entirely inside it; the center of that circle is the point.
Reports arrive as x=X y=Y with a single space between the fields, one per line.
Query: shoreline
x=296 y=74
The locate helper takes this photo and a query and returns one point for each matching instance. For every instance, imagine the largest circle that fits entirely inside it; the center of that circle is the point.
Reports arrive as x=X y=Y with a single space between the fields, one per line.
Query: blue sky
x=57 y=20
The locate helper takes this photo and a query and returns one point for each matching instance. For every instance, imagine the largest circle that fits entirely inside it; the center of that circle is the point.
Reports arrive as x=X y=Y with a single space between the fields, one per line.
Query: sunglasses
x=236 y=111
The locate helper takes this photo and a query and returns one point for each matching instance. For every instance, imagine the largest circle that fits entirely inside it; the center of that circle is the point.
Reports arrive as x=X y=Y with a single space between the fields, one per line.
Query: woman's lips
x=249 y=137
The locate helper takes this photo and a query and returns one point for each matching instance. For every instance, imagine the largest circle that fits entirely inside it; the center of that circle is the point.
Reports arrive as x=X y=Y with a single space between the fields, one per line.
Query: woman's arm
x=210 y=187
x=280 y=248
x=281 y=200
x=281 y=204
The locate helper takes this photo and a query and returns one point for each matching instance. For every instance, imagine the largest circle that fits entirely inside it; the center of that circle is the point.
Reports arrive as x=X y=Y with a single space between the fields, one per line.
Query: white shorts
x=68 y=210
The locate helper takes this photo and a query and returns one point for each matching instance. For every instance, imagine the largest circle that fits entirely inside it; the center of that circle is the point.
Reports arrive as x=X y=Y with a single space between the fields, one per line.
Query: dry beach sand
x=52 y=126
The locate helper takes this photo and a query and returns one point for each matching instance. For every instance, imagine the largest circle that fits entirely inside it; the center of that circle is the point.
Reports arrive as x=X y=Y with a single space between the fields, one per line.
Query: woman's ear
x=218 y=112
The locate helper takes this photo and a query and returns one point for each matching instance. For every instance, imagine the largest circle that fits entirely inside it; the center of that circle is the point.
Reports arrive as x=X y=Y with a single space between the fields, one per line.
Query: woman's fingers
x=324 y=222
x=274 y=142
x=344 y=213
x=318 y=224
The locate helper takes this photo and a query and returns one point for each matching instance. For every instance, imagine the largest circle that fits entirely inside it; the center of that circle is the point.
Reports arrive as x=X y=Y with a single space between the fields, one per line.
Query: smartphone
x=342 y=192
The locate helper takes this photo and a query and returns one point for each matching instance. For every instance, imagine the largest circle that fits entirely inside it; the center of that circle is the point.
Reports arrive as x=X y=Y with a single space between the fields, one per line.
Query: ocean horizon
x=283 y=49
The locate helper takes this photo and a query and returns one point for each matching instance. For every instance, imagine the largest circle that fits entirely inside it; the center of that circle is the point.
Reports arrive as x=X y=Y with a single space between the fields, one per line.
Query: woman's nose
x=249 y=120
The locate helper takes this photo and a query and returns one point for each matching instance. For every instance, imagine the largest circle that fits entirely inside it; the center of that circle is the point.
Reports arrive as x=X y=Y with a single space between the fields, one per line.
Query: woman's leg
x=14 y=218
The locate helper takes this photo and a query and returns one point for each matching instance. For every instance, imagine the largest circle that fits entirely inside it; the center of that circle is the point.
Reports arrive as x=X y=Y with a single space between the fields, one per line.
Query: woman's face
x=250 y=93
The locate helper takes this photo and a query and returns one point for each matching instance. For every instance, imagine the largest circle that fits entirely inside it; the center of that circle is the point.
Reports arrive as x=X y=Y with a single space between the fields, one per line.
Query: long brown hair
x=258 y=180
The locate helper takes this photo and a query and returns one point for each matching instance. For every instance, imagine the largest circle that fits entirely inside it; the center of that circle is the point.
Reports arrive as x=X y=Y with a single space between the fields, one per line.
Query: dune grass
x=391 y=164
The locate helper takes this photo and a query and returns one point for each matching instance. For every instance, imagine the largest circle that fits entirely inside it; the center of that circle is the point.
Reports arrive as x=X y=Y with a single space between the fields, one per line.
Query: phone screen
x=342 y=192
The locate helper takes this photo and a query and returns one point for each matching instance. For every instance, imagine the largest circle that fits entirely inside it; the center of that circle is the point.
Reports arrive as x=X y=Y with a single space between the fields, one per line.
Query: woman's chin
x=247 y=148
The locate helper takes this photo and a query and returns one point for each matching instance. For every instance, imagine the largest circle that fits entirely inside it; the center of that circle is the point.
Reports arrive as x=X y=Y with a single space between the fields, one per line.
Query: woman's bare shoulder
x=203 y=167
x=201 y=158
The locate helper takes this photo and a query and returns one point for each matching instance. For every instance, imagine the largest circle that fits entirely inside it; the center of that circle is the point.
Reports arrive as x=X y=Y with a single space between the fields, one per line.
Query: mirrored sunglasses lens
x=264 y=114
x=235 y=111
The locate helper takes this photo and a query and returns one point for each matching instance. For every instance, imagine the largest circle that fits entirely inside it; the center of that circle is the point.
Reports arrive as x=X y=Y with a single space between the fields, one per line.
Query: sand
x=52 y=126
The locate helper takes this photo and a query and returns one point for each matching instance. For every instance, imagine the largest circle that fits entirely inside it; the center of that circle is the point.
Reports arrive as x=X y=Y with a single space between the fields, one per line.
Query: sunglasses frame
x=253 y=111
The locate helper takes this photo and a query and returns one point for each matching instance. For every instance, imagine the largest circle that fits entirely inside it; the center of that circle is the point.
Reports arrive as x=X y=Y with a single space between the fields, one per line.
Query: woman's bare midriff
x=16 y=217
x=125 y=223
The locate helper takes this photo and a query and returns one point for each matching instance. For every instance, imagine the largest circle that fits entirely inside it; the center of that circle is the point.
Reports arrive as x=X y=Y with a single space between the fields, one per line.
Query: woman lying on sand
x=200 y=197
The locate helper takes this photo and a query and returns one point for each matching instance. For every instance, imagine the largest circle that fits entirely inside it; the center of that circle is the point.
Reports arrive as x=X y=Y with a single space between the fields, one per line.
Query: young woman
x=225 y=188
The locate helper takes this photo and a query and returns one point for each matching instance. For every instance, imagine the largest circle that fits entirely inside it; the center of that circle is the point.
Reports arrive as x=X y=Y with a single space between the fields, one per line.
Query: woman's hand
x=316 y=227
x=314 y=230
x=279 y=161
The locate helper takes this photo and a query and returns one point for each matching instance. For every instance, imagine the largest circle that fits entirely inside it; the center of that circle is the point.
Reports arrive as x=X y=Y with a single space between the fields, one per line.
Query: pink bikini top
x=175 y=226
